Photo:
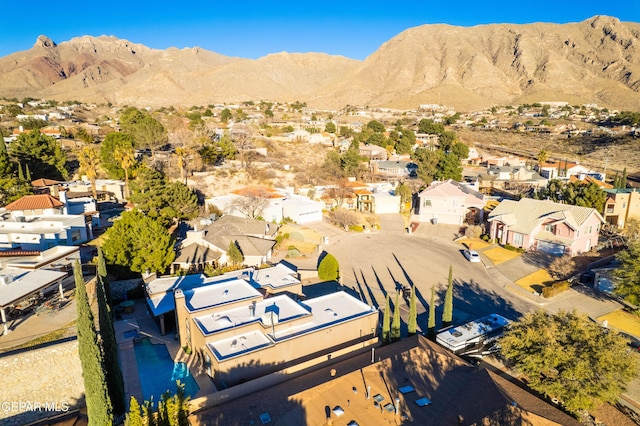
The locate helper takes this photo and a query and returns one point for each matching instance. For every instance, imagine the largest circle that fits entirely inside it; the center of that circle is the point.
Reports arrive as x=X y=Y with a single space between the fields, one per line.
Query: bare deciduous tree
x=344 y=218
x=251 y=203
x=562 y=267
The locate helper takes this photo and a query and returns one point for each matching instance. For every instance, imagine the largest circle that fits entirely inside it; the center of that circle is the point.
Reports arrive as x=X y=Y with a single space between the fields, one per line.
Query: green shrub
x=485 y=237
x=512 y=248
x=356 y=228
x=328 y=270
x=297 y=236
x=292 y=251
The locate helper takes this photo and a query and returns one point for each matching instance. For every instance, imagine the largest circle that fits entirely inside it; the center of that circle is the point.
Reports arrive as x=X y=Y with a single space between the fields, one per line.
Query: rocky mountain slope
x=594 y=61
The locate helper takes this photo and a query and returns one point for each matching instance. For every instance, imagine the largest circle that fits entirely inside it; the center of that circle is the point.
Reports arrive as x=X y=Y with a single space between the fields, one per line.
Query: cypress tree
x=395 y=326
x=102 y=272
x=447 y=314
x=6 y=167
x=99 y=409
x=134 y=417
x=28 y=172
x=110 y=351
x=412 y=325
x=432 y=315
x=20 y=173
x=623 y=179
x=386 y=321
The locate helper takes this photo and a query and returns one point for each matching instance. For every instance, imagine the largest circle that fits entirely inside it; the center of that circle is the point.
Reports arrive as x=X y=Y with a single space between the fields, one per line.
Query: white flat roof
x=164 y=284
x=23 y=283
x=275 y=277
x=325 y=311
x=219 y=293
x=283 y=308
x=320 y=312
x=238 y=345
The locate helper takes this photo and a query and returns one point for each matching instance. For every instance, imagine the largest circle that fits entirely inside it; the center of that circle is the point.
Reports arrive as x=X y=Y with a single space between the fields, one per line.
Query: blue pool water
x=158 y=373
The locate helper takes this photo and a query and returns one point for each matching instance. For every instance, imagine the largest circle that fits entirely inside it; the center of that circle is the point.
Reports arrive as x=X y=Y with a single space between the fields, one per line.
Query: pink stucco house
x=450 y=202
x=545 y=226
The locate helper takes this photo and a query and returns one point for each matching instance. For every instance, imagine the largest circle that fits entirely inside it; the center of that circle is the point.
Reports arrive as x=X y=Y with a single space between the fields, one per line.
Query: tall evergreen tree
x=6 y=166
x=115 y=383
x=134 y=416
x=412 y=325
x=102 y=272
x=234 y=254
x=623 y=179
x=28 y=172
x=447 y=313
x=99 y=408
x=20 y=172
x=41 y=153
x=432 y=315
x=395 y=325
x=386 y=321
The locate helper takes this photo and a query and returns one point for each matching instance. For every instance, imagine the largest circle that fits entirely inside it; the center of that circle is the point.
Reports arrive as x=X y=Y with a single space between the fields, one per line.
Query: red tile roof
x=44 y=182
x=32 y=202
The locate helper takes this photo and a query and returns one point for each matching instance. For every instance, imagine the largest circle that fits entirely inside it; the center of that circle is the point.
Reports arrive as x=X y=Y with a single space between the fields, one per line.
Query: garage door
x=450 y=219
x=551 y=248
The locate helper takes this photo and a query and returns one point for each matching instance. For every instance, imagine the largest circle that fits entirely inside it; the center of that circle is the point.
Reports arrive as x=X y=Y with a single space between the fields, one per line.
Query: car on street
x=471 y=255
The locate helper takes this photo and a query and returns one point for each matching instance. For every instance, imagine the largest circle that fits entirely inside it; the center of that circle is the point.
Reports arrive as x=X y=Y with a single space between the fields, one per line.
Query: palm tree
x=126 y=159
x=543 y=156
x=89 y=159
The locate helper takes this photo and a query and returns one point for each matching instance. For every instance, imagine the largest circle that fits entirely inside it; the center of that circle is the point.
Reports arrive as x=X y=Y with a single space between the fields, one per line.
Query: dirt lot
x=596 y=152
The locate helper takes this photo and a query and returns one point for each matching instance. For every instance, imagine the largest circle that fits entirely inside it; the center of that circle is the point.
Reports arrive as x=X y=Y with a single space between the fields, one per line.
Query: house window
x=518 y=240
x=610 y=208
x=590 y=229
x=76 y=235
x=427 y=203
x=454 y=202
x=549 y=227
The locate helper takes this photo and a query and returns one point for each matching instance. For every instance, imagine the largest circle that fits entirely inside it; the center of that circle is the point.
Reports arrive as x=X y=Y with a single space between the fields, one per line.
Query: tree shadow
x=380 y=285
x=538 y=259
x=476 y=301
x=419 y=296
x=247 y=399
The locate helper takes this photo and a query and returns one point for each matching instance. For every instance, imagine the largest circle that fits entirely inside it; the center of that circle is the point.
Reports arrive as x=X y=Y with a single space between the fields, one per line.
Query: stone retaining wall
x=40 y=383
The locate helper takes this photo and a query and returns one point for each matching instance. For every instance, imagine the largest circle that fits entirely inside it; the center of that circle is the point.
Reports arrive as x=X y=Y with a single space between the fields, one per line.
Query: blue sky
x=251 y=29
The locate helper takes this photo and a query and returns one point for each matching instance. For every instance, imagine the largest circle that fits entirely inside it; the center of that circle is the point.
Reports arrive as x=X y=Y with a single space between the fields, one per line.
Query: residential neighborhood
x=301 y=277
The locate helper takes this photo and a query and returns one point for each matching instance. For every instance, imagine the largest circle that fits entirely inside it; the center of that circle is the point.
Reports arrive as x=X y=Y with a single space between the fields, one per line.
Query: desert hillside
x=470 y=68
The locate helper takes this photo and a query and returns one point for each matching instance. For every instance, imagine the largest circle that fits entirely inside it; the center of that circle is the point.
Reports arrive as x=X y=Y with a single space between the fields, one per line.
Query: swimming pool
x=158 y=373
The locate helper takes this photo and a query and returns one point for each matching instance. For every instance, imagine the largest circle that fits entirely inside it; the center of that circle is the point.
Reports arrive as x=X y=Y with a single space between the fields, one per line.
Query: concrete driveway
x=374 y=264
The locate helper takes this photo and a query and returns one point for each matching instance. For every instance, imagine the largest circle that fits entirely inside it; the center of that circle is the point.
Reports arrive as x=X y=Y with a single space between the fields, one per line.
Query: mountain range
x=596 y=61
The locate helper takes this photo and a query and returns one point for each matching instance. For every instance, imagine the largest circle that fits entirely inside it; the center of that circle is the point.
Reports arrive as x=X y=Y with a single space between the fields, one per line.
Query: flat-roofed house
x=242 y=334
x=621 y=205
x=38 y=222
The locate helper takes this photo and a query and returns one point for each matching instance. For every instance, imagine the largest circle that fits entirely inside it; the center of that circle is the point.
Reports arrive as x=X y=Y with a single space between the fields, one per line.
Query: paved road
x=374 y=264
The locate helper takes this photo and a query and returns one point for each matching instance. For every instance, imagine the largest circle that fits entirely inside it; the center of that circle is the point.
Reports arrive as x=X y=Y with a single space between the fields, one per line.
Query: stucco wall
x=40 y=383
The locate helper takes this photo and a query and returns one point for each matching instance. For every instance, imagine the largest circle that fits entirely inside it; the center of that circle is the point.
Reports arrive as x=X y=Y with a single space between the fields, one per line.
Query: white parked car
x=471 y=255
